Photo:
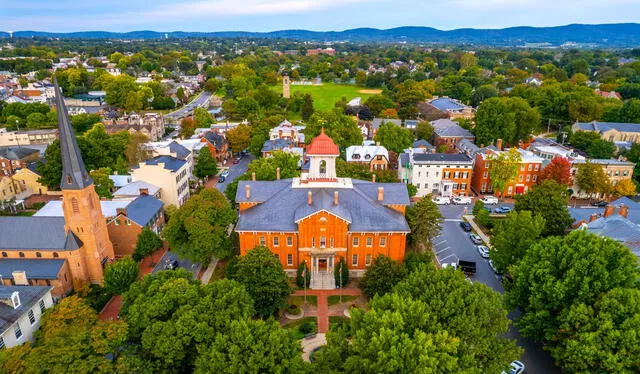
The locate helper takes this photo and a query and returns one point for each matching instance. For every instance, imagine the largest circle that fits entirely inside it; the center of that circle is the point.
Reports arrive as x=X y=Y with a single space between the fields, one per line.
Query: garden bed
x=300 y=328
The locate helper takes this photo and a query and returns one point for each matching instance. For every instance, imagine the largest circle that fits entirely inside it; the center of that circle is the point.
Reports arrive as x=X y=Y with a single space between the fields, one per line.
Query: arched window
x=21 y=254
x=4 y=254
x=74 y=205
x=38 y=254
x=69 y=179
x=323 y=167
x=55 y=254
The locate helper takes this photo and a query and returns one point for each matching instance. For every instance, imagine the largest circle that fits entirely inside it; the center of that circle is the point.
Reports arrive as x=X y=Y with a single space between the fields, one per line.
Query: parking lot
x=169 y=257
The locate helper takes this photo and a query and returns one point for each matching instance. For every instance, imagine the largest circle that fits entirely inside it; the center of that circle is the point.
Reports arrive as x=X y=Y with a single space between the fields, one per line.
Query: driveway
x=169 y=257
x=186 y=110
x=453 y=243
x=235 y=170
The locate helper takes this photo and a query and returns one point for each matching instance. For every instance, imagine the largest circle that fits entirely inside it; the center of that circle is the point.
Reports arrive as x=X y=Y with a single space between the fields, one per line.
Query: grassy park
x=326 y=95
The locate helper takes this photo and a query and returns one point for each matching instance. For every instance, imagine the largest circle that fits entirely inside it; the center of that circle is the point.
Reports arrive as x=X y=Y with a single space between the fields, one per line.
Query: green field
x=326 y=95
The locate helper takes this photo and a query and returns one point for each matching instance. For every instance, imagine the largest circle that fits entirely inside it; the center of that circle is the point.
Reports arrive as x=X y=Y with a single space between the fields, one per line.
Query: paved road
x=452 y=244
x=201 y=100
x=169 y=257
x=235 y=170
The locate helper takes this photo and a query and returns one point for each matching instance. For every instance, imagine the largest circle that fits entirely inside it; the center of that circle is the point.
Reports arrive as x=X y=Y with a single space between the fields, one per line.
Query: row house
x=170 y=174
x=375 y=157
x=150 y=125
x=446 y=174
x=615 y=170
x=528 y=173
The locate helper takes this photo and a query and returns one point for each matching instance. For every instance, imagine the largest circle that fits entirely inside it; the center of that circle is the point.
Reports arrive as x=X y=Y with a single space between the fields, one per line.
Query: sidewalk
x=323 y=303
x=476 y=228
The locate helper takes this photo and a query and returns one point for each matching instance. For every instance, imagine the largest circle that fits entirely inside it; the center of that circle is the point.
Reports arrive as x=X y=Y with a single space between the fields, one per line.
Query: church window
x=55 y=254
x=74 y=205
x=21 y=254
x=323 y=167
x=69 y=179
x=38 y=254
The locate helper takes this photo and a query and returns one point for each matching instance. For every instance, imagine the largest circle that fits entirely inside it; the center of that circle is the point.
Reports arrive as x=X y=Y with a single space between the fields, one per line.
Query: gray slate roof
x=441 y=157
x=422 y=143
x=377 y=122
x=36 y=268
x=453 y=131
x=466 y=145
x=181 y=151
x=276 y=145
x=74 y=173
x=143 y=209
x=170 y=162
x=606 y=126
x=619 y=229
x=133 y=189
x=16 y=153
x=281 y=205
x=36 y=233
x=29 y=296
x=445 y=104
x=216 y=139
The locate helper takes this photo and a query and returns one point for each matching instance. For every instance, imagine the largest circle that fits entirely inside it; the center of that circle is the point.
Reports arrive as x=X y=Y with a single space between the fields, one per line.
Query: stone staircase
x=322 y=280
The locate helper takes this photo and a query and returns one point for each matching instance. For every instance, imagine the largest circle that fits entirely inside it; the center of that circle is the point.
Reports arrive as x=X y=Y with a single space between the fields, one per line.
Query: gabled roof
x=281 y=205
x=16 y=153
x=453 y=131
x=36 y=233
x=120 y=180
x=618 y=228
x=29 y=295
x=602 y=127
x=143 y=209
x=447 y=104
x=170 y=162
x=365 y=152
x=276 y=145
x=36 y=268
x=133 y=189
x=422 y=143
x=217 y=140
x=322 y=145
x=74 y=173
x=181 y=151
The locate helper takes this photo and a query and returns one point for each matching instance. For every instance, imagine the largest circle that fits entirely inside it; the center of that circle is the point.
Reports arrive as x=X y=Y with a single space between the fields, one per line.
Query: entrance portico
x=322 y=270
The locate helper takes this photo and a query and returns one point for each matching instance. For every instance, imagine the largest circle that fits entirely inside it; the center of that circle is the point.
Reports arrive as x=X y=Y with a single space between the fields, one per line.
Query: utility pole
x=549 y=126
x=564 y=136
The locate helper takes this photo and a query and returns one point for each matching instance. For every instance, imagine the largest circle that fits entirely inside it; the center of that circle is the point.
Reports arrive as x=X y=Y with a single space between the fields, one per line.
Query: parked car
x=440 y=200
x=467 y=267
x=483 y=250
x=502 y=210
x=225 y=173
x=494 y=268
x=236 y=160
x=466 y=226
x=475 y=239
x=600 y=203
x=489 y=200
x=173 y=265
x=221 y=179
x=462 y=200
x=517 y=367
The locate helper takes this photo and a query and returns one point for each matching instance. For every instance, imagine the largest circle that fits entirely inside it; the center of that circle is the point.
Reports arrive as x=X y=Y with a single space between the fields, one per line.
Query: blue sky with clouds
x=267 y=15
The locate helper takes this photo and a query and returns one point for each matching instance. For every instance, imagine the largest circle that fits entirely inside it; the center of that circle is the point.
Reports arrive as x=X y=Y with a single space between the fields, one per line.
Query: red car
x=236 y=160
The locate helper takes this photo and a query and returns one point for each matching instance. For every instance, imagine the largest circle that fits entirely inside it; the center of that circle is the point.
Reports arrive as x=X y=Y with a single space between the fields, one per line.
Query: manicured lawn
x=326 y=95
x=299 y=300
x=294 y=326
x=335 y=299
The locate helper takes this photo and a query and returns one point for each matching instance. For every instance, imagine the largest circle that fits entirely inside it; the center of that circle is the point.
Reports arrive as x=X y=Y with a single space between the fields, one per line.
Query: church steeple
x=74 y=173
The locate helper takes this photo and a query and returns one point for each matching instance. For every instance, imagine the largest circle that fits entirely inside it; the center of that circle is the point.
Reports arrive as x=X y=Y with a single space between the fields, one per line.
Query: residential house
x=8 y=188
x=170 y=174
x=286 y=131
x=150 y=125
x=423 y=144
x=28 y=179
x=616 y=170
x=174 y=149
x=608 y=94
x=411 y=124
x=21 y=308
x=615 y=223
x=14 y=158
x=282 y=145
x=137 y=188
x=467 y=147
x=446 y=174
x=452 y=108
x=447 y=133
x=376 y=157
x=377 y=122
x=218 y=146
x=528 y=172
x=320 y=218
x=120 y=180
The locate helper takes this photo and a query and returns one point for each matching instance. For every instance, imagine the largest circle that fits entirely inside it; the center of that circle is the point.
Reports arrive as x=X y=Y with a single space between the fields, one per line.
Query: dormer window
x=69 y=180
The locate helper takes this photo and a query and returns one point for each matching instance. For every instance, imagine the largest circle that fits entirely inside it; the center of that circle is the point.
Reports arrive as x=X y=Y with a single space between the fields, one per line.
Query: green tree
x=507 y=118
x=83 y=122
x=119 y=275
x=51 y=171
x=363 y=172
x=119 y=90
x=266 y=168
x=414 y=261
x=102 y=183
x=513 y=236
x=382 y=276
x=394 y=138
x=71 y=339
x=135 y=152
x=425 y=221
x=434 y=321
x=187 y=127
x=424 y=130
x=198 y=229
x=252 y=346
x=341 y=274
x=555 y=277
x=202 y=117
x=211 y=85
x=265 y=280
x=504 y=169
x=378 y=103
x=206 y=165
x=412 y=190
x=36 y=121
x=601 y=149
x=547 y=200
x=147 y=243
x=307 y=109
x=482 y=93
x=582 y=140
x=591 y=179
x=300 y=279
x=341 y=128
x=239 y=137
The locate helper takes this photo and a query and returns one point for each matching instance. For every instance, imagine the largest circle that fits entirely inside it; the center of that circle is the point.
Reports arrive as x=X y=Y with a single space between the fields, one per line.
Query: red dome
x=322 y=145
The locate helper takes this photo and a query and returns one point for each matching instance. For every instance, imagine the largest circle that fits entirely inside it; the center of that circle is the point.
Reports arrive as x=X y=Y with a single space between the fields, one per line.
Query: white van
x=489 y=200
x=462 y=200
x=439 y=200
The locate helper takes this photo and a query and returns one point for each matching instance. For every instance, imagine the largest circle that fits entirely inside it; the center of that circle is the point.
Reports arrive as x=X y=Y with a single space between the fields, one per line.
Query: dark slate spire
x=74 y=174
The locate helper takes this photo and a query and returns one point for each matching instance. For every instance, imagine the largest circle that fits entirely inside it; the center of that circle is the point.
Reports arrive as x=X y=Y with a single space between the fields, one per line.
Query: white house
x=170 y=174
x=21 y=308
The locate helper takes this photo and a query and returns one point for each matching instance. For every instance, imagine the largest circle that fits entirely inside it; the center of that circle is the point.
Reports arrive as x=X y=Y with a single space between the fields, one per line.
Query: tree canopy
x=205 y=165
x=341 y=128
x=504 y=169
x=558 y=170
x=507 y=118
x=548 y=200
x=394 y=138
x=513 y=236
x=381 y=276
x=119 y=275
x=591 y=179
x=425 y=220
x=147 y=243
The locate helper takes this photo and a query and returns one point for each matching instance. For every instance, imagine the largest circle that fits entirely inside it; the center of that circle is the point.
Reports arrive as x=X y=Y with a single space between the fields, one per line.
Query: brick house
x=448 y=133
x=218 y=145
x=13 y=158
x=528 y=172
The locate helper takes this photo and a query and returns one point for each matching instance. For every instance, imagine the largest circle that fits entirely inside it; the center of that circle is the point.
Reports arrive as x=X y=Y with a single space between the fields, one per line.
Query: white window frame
x=369 y=241
x=368 y=259
x=42 y=306
x=17 y=331
x=289 y=259
x=262 y=241
x=289 y=241
x=354 y=260
x=276 y=241
x=383 y=241
x=355 y=241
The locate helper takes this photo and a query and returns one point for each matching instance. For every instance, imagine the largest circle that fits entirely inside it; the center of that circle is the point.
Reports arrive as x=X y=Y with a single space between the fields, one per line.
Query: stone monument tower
x=286 y=87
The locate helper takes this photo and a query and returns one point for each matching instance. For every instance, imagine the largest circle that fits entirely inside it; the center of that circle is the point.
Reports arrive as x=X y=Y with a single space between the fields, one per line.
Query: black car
x=173 y=265
x=221 y=179
x=466 y=226
x=599 y=203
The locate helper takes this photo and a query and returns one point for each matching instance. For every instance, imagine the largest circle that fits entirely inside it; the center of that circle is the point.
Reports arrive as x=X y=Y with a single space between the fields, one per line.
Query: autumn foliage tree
x=239 y=137
x=559 y=170
x=188 y=127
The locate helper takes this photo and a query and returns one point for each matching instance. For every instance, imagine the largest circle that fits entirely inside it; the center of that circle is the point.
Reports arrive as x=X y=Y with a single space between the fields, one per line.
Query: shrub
x=306 y=328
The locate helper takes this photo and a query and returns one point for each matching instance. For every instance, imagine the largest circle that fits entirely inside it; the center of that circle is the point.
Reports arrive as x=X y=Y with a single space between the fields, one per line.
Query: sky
x=319 y=15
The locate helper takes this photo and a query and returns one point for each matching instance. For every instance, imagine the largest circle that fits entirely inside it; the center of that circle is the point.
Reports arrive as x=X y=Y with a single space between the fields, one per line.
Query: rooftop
x=133 y=189
x=322 y=145
x=36 y=233
x=603 y=161
x=29 y=296
x=169 y=162
x=36 y=268
x=446 y=104
x=16 y=153
x=365 y=152
x=442 y=158
x=606 y=126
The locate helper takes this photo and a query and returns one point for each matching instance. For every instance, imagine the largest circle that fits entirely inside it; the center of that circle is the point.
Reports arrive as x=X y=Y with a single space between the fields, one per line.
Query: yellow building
x=611 y=131
x=9 y=188
x=28 y=180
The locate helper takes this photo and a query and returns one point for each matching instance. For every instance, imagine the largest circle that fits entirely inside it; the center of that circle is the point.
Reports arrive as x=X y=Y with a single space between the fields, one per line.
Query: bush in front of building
x=382 y=276
x=300 y=281
x=341 y=281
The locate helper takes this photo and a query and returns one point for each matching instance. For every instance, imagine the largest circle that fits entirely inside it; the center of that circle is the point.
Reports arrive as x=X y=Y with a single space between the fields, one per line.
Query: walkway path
x=311 y=343
x=323 y=303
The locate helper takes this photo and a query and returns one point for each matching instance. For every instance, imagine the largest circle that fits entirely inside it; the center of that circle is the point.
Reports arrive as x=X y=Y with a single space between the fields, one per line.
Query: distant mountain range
x=604 y=35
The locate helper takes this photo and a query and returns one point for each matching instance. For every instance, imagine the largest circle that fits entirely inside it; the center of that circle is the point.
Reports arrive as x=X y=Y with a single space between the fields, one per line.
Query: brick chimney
x=373 y=178
x=122 y=211
x=593 y=217
x=20 y=278
x=499 y=144
x=253 y=177
x=608 y=210
x=336 y=198
x=247 y=189
x=623 y=211
x=380 y=193
x=144 y=191
x=278 y=174
x=309 y=198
